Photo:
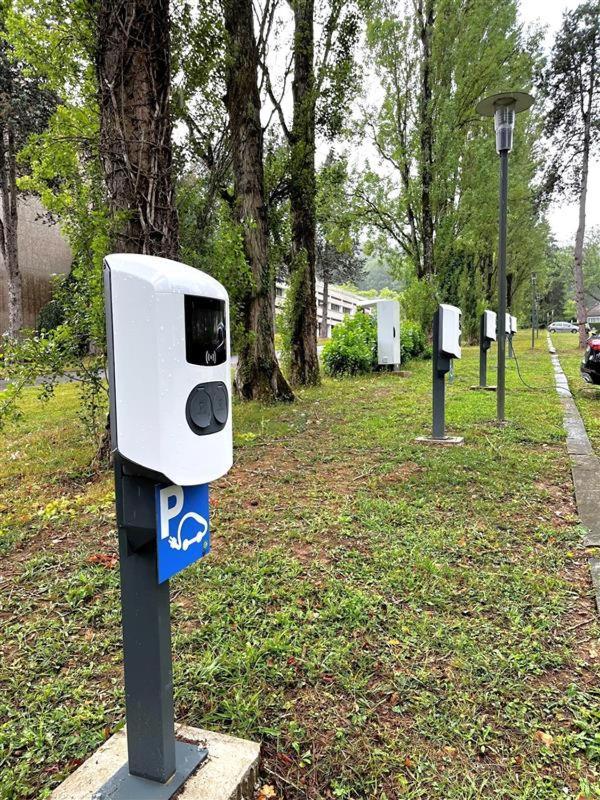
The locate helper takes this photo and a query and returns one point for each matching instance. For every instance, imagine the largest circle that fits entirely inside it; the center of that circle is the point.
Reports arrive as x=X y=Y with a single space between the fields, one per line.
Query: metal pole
x=500 y=392
x=532 y=313
x=146 y=633
x=439 y=384
x=482 y=353
x=440 y=368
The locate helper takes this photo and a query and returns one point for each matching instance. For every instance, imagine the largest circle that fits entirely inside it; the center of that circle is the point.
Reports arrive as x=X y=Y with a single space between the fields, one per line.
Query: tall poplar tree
x=573 y=123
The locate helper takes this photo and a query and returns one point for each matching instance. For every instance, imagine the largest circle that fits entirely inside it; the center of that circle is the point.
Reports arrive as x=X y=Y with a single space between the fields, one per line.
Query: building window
x=279 y=292
x=346 y=310
x=335 y=307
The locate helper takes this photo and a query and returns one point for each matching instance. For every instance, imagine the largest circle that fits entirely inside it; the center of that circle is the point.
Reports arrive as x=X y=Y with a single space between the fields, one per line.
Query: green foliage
x=413 y=342
x=473 y=48
x=419 y=303
x=352 y=348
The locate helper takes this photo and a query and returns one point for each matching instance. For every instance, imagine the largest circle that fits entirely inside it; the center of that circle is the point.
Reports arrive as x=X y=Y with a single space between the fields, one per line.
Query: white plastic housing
x=150 y=376
x=489 y=325
x=513 y=325
x=507 y=324
x=449 y=331
x=388 y=332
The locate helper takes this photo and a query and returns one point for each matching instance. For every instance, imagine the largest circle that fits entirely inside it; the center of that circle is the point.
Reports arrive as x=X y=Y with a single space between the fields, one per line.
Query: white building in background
x=339 y=303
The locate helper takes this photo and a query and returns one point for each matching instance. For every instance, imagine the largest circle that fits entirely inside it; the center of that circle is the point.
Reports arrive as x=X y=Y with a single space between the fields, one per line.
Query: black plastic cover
x=205 y=331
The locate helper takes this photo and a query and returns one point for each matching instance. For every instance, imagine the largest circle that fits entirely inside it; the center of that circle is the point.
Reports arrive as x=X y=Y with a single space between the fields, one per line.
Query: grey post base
x=446 y=441
x=124 y=786
x=483 y=388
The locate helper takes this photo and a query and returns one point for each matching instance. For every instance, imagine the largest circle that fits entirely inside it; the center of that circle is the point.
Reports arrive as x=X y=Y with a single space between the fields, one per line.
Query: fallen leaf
x=544 y=738
x=266 y=792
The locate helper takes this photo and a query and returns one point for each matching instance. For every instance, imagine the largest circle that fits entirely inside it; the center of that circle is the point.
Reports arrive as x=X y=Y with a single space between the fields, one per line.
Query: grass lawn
x=392 y=620
x=586 y=396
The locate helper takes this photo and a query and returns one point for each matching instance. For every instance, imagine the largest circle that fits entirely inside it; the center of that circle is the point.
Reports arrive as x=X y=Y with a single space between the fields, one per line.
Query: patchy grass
x=586 y=396
x=392 y=620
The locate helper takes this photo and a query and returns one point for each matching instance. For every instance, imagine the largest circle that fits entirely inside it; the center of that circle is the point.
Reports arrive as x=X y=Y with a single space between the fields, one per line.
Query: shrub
x=413 y=342
x=352 y=348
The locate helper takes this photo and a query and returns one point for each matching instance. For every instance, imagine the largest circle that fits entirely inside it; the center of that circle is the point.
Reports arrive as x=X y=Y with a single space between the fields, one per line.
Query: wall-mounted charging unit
x=446 y=346
x=170 y=417
x=487 y=335
x=387 y=314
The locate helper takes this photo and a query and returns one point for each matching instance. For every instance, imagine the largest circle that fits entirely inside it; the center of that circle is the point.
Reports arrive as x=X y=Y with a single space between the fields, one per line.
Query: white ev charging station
x=387 y=313
x=487 y=335
x=446 y=346
x=511 y=329
x=170 y=413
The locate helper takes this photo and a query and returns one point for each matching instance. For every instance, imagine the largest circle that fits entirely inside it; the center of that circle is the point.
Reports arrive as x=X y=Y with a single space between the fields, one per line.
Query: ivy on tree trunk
x=258 y=376
x=9 y=249
x=134 y=74
x=304 y=362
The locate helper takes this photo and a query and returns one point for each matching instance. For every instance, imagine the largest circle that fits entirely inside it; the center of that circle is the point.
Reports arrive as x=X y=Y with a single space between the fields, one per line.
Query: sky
x=563 y=216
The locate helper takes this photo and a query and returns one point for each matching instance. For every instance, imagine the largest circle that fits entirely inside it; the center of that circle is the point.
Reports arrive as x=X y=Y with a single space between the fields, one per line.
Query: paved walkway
x=585 y=468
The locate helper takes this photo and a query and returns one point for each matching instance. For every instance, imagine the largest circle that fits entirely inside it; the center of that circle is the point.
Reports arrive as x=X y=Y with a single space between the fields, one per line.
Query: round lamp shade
x=520 y=101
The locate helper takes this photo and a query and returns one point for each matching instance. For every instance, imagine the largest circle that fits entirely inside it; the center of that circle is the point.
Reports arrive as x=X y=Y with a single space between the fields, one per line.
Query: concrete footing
x=447 y=441
x=483 y=388
x=229 y=773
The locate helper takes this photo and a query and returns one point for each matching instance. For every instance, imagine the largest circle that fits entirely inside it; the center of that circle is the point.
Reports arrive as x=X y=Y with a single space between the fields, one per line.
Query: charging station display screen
x=205 y=331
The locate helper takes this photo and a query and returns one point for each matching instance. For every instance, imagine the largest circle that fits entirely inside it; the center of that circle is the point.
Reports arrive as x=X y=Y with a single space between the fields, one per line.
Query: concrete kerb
x=585 y=465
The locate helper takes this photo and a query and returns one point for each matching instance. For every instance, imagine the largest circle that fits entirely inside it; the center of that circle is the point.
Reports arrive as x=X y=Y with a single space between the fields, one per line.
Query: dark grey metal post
x=441 y=366
x=146 y=633
x=484 y=346
x=158 y=764
x=501 y=381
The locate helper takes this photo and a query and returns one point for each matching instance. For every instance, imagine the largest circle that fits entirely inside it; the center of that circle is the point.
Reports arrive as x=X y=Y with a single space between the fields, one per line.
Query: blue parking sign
x=182 y=527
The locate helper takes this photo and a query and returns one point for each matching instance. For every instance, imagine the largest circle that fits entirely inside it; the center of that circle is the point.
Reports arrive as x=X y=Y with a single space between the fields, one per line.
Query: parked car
x=590 y=363
x=562 y=327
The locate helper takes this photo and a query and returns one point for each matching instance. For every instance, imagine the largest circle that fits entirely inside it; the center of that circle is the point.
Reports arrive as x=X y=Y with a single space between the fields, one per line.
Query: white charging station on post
x=387 y=315
x=170 y=414
x=510 y=329
x=446 y=346
x=487 y=335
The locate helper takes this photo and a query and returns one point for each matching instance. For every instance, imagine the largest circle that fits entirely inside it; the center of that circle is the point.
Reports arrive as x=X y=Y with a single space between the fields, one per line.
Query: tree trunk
x=9 y=227
x=134 y=74
x=324 y=313
x=258 y=375
x=304 y=362
x=426 y=21
x=579 y=240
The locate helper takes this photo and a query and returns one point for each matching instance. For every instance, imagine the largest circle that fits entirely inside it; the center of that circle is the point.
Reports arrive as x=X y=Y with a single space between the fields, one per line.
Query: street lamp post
x=503 y=108
x=533 y=308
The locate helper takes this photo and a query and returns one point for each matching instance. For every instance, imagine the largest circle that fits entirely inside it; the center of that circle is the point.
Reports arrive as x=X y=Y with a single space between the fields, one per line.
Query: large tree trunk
x=9 y=226
x=426 y=21
x=324 y=310
x=134 y=74
x=579 y=240
x=304 y=362
x=258 y=375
